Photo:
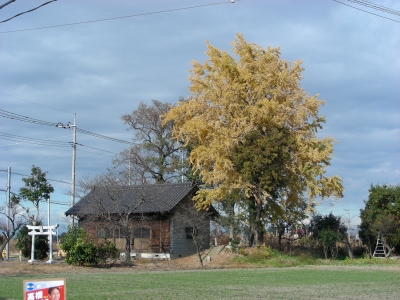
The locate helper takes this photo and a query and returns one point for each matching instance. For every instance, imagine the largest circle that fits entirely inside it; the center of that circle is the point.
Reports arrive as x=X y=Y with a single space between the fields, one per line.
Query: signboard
x=44 y=289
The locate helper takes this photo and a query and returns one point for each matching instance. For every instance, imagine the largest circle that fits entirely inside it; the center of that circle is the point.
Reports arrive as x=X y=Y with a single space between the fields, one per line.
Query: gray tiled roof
x=152 y=198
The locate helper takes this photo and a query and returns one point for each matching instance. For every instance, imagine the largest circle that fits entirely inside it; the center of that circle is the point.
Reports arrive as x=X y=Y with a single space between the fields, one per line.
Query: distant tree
x=154 y=157
x=381 y=217
x=86 y=184
x=24 y=243
x=285 y=215
x=17 y=216
x=253 y=128
x=36 y=189
x=328 y=231
x=229 y=215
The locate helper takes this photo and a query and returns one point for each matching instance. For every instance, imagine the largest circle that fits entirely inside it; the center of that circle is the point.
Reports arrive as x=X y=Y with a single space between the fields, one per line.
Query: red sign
x=44 y=289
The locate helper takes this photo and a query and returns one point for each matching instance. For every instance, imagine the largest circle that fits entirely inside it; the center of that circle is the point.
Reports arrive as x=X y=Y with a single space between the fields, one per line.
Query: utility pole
x=333 y=206
x=8 y=211
x=129 y=166
x=73 y=166
x=348 y=223
x=73 y=128
x=180 y=145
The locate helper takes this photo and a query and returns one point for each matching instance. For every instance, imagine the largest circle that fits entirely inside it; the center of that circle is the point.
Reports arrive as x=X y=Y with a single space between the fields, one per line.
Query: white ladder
x=380 y=249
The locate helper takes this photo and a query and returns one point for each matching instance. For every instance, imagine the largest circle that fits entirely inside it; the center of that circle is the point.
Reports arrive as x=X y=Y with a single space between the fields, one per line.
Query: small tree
x=328 y=230
x=36 y=189
x=24 y=243
x=381 y=216
x=17 y=217
x=196 y=225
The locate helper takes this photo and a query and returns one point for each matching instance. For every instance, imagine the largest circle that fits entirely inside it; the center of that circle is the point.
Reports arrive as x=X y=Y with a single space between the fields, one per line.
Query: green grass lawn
x=308 y=282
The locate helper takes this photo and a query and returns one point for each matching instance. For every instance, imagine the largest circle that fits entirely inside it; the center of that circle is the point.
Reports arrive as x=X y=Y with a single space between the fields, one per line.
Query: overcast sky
x=101 y=70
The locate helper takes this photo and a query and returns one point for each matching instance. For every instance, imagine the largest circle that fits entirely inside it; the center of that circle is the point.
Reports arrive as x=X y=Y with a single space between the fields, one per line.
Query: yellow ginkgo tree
x=251 y=127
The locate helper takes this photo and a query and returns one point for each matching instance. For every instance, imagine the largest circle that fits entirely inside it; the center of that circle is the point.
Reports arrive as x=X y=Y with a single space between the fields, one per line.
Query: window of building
x=190 y=232
x=105 y=232
x=141 y=238
x=141 y=233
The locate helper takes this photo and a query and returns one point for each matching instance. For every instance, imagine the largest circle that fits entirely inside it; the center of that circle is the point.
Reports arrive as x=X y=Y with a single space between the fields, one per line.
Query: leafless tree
x=120 y=207
x=18 y=216
x=153 y=157
x=195 y=224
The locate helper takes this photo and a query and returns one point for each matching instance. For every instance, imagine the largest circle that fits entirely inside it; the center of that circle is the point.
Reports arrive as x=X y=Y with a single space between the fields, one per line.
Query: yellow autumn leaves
x=232 y=96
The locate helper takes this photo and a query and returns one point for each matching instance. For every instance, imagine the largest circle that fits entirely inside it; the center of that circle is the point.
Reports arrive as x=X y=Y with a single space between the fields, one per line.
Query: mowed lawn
x=330 y=282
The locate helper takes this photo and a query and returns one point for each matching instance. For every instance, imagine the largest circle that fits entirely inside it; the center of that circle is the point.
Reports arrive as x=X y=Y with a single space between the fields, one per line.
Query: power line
x=123 y=17
x=24 y=175
x=36 y=103
x=55 y=202
x=97 y=149
x=95 y=153
x=366 y=11
x=102 y=136
x=376 y=7
x=47 y=142
x=28 y=11
x=17 y=117
x=20 y=139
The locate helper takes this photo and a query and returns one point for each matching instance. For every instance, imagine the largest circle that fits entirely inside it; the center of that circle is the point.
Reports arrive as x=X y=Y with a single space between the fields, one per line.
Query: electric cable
x=123 y=17
x=17 y=117
x=96 y=148
x=376 y=6
x=27 y=11
x=95 y=153
x=20 y=139
x=35 y=103
x=24 y=175
x=366 y=11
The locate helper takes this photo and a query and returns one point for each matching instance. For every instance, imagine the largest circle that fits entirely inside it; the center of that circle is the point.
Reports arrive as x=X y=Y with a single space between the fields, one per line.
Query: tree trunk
x=232 y=232
x=279 y=240
x=259 y=226
x=199 y=259
x=348 y=246
x=232 y=222
x=326 y=251
x=6 y=241
x=251 y=237
x=127 y=246
x=2 y=248
x=256 y=228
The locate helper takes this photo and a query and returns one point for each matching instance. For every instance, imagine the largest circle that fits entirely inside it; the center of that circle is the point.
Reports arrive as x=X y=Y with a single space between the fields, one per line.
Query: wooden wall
x=159 y=241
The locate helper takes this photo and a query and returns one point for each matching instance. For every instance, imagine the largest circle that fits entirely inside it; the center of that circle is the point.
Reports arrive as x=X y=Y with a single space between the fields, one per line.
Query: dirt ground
x=221 y=261
x=15 y=267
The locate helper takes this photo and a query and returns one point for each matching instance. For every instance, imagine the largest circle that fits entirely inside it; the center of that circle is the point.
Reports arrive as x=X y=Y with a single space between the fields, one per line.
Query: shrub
x=261 y=252
x=306 y=242
x=106 y=250
x=82 y=251
x=69 y=239
x=24 y=243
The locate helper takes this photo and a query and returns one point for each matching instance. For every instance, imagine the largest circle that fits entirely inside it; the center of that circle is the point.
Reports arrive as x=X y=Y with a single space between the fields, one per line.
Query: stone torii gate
x=42 y=230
